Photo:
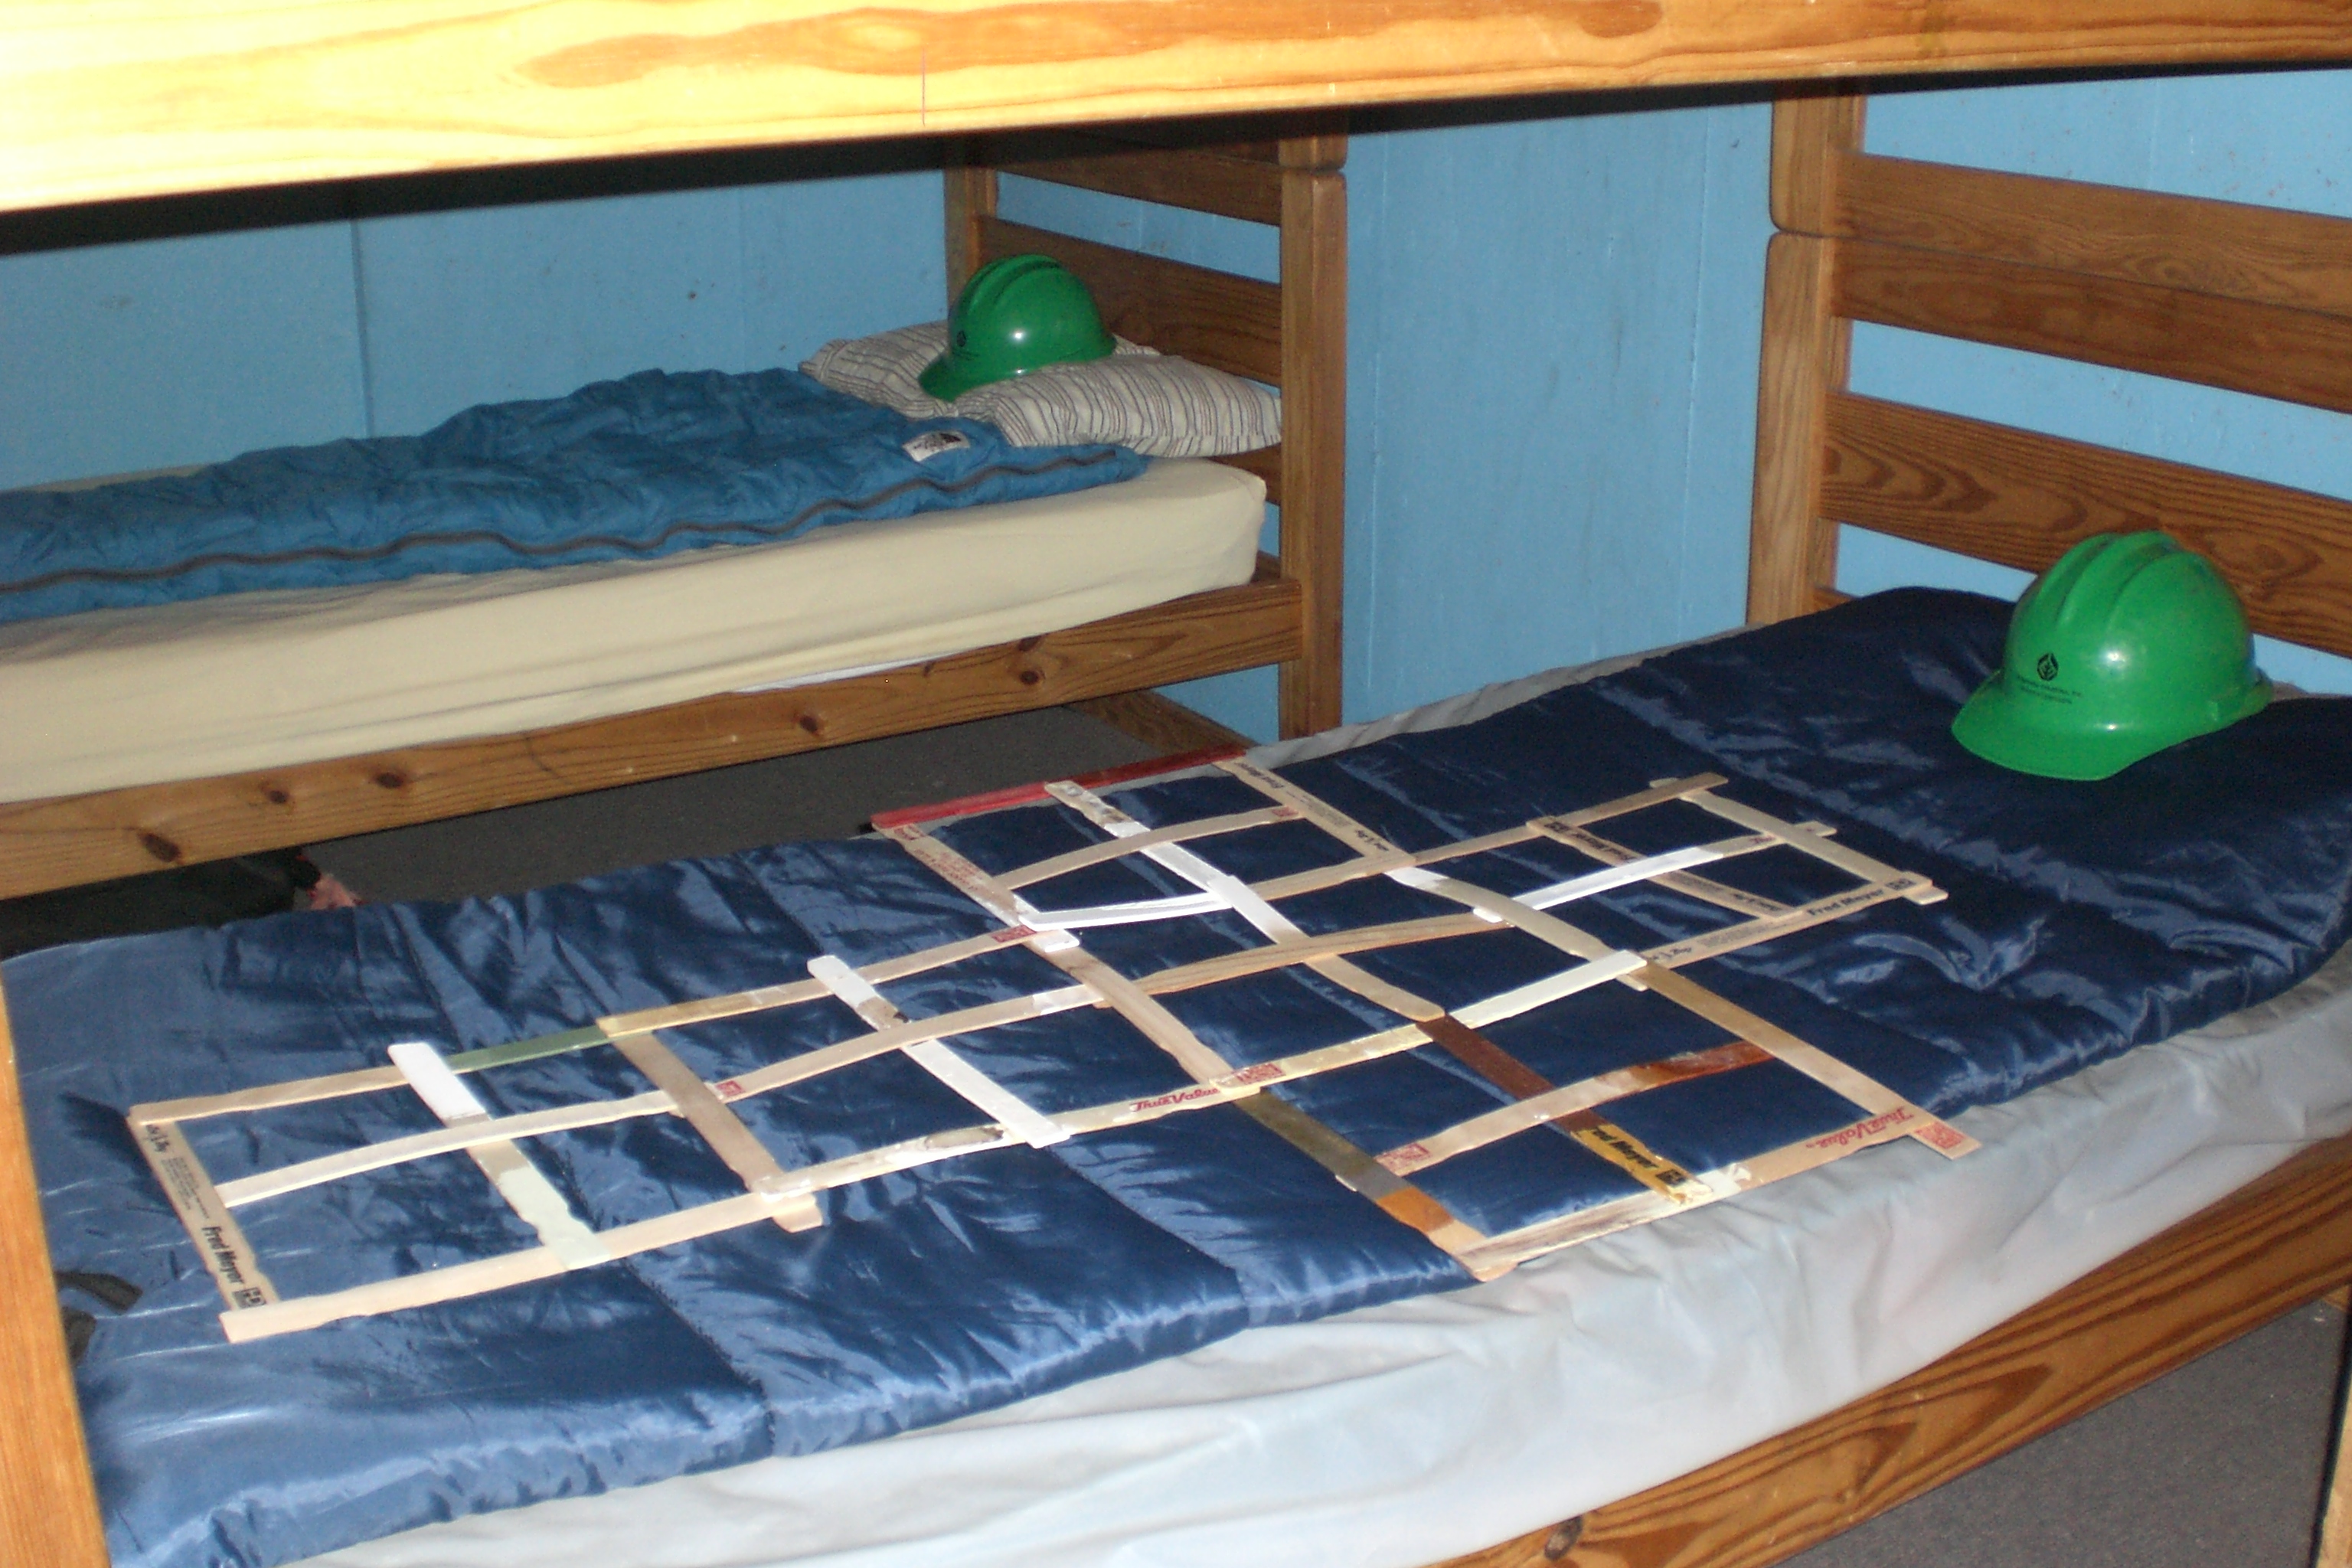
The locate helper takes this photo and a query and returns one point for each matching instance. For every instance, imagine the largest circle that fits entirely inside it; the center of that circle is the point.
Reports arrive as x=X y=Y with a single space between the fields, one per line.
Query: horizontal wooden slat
x=1221 y=319
x=2266 y=1249
x=58 y=842
x=1183 y=177
x=2302 y=356
x=145 y=97
x=2301 y=260
x=2022 y=499
x=1265 y=463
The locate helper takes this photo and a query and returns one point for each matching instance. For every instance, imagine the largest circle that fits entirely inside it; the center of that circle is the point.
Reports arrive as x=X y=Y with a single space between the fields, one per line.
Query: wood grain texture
x=969 y=189
x=2023 y=499
x=49 y=1508
x=2266 y=1249
x=145 y=96
x=2302 y=356
x=1814 y=135
x=1197 y=178
x=1314 y=380
x=1161 y=722
x=1792 y=553
x=1265 y=463
x=2299 y=260
x=1219 y=319
x=58 y=842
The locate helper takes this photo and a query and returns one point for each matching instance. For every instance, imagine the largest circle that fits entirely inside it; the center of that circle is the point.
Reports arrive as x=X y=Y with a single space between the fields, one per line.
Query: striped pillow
x=1155 y=404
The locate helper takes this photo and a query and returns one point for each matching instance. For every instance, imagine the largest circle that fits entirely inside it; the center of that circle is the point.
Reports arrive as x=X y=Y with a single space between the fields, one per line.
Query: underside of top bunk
x=153 y=96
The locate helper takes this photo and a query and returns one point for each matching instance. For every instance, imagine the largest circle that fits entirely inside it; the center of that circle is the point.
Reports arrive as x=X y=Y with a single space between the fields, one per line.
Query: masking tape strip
x=1719 y=894
x=720 y=1128
x=964 y=1021
x=1552 y=1103
x=1244 y=901
x=1765 y=928
x=944 y=1063
x=1181 y=906
x=1359 y=1172
x=1354 y=1168
x=522 y=1185
x=458 y=1280
x=1883 y=1103
x=1115 y=849
x=1641 y=870
x=1509 y=912
x=1512 y=1248
x=1818 y=846
x=365 y=1080
x=1279 y=955
x=1550 y=988
x=597 y=1113
x=219 y=1240
x=1582 y=1124
x=444 y=1140
x=1633 y=1157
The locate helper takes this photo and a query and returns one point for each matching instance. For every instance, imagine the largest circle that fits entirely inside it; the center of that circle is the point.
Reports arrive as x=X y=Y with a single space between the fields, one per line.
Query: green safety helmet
x=2128 y=645
x=1018 y=315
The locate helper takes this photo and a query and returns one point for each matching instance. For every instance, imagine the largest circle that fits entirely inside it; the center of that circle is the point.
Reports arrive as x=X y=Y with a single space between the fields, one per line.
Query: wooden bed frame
x=2249 y=298
x=1291 y=334
x=148 y=97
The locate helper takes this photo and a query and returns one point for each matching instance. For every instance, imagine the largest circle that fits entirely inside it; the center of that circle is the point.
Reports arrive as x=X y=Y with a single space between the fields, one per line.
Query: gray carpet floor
x=2216 y=1466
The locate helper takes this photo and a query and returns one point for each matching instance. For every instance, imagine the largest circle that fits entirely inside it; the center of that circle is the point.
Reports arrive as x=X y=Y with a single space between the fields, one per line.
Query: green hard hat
x=1018 y=315
x=2128 y=645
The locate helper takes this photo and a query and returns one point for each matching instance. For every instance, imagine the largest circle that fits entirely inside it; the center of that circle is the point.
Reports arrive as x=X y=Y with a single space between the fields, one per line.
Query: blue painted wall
x=2281 y=139
x=1553 y=340
x=142 y=354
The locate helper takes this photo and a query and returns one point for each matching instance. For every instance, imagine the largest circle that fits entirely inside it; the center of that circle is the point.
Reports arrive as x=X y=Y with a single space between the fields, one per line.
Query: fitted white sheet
x=1405 y=1434
x=231 y=685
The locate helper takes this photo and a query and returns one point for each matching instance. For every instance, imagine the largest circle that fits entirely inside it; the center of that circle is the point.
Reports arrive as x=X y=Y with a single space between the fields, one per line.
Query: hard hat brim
x=946 y=380
x=2002 y=727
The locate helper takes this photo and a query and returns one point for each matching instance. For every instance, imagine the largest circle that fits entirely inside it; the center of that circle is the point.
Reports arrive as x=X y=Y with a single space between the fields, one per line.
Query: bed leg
x=48 y=1508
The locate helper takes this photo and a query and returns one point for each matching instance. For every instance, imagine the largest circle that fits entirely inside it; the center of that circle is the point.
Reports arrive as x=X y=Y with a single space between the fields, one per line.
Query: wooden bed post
x=48 y=1507
x=1313 y=417
x=970 y=197
x=1792 y=550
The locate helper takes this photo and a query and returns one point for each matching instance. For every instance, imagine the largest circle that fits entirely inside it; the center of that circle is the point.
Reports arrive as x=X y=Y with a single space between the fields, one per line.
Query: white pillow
x=1155 y=404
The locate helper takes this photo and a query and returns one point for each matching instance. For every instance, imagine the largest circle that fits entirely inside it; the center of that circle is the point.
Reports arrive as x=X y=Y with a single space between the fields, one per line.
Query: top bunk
x=143 y=97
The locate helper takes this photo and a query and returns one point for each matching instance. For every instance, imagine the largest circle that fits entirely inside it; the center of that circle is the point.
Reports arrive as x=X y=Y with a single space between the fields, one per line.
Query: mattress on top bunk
x=2069 y=932
x=119 y=696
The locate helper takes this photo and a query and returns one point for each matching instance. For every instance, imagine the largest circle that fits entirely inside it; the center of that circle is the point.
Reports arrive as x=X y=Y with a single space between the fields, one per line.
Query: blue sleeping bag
x=2083 y=919
x=618 y=470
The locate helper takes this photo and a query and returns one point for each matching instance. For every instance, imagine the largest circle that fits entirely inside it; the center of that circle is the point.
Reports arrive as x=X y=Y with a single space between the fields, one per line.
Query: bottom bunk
x=1418 y=1428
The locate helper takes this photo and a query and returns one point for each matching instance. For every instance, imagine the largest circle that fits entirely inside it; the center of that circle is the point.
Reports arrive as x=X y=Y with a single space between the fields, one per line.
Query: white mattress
x=232 y=685
x=1408 y=1433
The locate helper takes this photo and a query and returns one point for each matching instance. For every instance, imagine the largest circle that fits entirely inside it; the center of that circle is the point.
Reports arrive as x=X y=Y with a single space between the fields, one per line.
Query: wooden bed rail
x=1290 y=334
x=2242 y=297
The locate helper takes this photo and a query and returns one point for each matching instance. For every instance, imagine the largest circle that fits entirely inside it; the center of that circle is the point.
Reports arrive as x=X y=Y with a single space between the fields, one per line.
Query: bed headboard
x=1290 y=334
x=2244 y=298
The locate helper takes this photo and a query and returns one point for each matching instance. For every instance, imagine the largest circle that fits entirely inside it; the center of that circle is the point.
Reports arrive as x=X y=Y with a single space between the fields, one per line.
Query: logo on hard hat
x=2046 y=666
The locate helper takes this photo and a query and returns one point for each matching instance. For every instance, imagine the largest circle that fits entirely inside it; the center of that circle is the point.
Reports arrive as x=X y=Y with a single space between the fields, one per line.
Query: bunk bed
x=2097 y=275
x=1290 y=333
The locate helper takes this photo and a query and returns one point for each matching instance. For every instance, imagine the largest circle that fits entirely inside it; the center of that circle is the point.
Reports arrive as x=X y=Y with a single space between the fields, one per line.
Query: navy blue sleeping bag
x=2083 y=919
x=619 y=471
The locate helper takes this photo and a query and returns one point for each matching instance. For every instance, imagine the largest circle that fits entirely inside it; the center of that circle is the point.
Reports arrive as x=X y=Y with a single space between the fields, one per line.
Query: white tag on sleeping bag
x=931 y=443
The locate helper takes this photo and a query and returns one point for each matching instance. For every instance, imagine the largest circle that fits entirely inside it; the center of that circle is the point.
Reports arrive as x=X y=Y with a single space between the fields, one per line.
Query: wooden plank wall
x=2246 y=298
x=1291 y=334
